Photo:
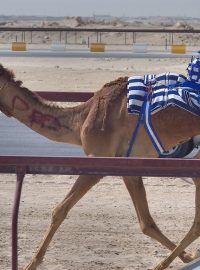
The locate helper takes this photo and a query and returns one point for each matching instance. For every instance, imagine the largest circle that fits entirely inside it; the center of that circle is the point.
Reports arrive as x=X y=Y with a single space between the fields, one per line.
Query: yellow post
x=18 y=46
x=97 y=47
x=178 y=48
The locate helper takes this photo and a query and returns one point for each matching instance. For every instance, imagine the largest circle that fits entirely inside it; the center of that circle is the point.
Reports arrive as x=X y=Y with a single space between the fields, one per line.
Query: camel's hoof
x=186 y=258
x=196 y=254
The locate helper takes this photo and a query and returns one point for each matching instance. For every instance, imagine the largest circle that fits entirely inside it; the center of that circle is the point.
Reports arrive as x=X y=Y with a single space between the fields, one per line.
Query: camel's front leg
x=79 y=189
x=191 y=236
x=137 y=192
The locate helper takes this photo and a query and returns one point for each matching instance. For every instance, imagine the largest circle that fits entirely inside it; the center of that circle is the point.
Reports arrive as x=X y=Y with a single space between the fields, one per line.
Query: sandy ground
x=101 y=232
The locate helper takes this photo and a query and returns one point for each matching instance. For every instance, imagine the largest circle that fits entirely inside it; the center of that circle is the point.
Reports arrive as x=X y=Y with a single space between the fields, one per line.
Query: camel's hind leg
x=191 y=236
x=79 y=189
x=137 y=192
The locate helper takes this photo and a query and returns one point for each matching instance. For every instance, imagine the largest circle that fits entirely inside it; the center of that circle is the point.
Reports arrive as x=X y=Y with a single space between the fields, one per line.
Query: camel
x=102 y=127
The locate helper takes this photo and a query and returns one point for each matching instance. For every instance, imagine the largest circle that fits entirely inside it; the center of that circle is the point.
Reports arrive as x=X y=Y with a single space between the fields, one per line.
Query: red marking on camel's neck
x=41 y=119
x=19 y=102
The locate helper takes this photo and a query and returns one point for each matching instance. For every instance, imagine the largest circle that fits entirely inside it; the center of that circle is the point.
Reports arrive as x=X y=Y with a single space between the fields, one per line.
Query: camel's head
x=6 y=80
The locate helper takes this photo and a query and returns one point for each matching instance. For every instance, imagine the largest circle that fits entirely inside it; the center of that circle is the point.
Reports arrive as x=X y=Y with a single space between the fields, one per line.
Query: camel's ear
x=18 y=83
x=5 y=72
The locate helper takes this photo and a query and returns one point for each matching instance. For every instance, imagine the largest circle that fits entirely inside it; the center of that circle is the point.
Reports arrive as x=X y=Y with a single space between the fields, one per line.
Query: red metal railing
x=101 y=166
x=66 y=96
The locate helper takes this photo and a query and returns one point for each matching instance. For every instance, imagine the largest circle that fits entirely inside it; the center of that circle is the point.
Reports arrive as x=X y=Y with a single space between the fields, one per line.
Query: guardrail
x=22 y=165
x=87 y=29
x=98 y=31
x=66 y=96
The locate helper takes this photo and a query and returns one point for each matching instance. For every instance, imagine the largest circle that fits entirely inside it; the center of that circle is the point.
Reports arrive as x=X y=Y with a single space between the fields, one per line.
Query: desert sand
x=101 y=232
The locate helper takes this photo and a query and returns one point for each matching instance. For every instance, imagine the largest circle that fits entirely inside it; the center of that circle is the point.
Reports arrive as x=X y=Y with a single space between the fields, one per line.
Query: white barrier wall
x=58 y=46
x=139 y=47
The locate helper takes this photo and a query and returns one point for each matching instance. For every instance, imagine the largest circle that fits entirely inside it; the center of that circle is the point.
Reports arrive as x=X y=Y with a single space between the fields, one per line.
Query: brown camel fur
x=102 y=127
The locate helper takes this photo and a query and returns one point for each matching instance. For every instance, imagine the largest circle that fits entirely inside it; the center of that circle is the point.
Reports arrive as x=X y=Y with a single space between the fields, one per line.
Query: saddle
x=166 y=89
x=150 y=93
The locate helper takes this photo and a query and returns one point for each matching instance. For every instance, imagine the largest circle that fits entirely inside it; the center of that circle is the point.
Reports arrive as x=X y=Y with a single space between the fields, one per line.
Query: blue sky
x=189 y=8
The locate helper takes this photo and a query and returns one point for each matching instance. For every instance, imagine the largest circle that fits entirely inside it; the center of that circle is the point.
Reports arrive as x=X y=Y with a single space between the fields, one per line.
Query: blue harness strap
x=145 y=119
x=150 y=130
x=139 y=122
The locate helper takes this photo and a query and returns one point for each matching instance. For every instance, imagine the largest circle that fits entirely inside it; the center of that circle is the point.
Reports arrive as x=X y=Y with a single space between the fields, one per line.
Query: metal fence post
x=20 y=172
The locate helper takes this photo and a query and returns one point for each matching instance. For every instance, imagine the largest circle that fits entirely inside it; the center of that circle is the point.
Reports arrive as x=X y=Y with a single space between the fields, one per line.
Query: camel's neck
x=49 y=120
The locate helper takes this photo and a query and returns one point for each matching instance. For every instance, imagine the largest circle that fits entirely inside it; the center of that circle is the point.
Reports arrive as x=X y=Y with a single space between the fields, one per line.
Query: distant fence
x=98 y=31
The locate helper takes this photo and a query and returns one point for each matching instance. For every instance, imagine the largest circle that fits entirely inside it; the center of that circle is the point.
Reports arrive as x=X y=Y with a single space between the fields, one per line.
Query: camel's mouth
x=5 y=111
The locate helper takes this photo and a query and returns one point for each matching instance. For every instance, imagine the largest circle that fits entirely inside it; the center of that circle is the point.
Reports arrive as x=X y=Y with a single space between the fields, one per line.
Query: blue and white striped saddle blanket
x=167 y=89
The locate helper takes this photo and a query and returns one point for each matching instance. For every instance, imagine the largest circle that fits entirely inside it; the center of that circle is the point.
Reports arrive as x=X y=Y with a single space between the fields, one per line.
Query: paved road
x=17 y=139
x=88 y=54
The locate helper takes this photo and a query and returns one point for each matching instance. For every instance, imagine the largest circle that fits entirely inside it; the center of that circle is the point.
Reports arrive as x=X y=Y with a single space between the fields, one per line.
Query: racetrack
x=102 y=231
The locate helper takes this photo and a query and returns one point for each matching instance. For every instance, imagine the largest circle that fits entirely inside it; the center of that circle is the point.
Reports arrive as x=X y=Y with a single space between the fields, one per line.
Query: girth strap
x=145 y=119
